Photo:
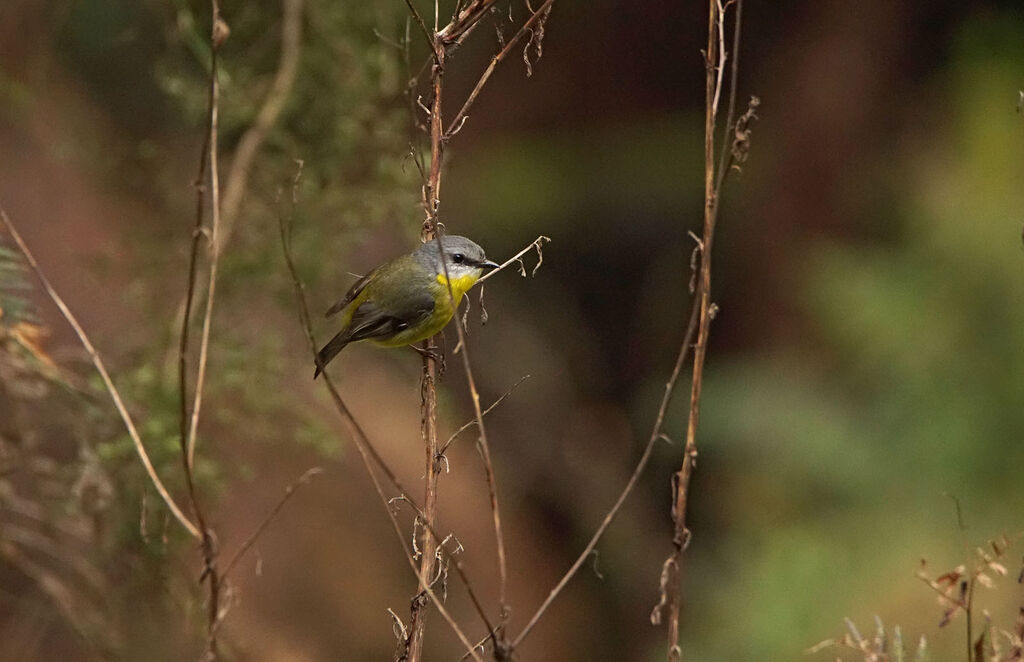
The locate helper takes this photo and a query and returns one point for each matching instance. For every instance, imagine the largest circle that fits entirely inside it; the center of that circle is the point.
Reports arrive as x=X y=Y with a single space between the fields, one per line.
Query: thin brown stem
x=725 y=156
x=537 y=244
x=715 y=58
x=464 y=21
x=428 y=386
x=189 y=428
x=680 y=538
x=236 y=183
x=265 y=522
x=470 y=423
x=485 y=453
x=115 y=395
x=969 y=619
x=419 y=21
x=656 y=434
x=218 y=33
x=460 y=117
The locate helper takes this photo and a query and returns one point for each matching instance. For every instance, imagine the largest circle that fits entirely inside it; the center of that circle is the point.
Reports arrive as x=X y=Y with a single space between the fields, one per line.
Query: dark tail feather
x=329 y=351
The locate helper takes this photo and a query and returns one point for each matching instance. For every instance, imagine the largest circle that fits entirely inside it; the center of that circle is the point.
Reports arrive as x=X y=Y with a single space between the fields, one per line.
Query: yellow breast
x=459 y=285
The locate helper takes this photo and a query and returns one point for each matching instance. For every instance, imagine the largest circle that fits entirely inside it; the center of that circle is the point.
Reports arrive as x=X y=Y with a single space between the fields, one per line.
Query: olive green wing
x=373 y=320
x=352 y=293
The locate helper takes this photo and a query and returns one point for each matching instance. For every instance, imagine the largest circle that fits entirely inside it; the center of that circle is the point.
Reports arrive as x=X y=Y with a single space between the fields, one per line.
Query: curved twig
x=104 y=375
x=459 y=119
x=656 y=434
x=236 y=183
x=258 y=531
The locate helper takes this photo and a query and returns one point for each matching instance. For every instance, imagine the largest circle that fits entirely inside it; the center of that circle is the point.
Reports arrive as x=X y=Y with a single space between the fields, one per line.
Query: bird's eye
x=458 y=258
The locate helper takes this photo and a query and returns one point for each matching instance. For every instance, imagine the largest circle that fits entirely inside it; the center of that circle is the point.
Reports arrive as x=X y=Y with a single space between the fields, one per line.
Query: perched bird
x=407 y=299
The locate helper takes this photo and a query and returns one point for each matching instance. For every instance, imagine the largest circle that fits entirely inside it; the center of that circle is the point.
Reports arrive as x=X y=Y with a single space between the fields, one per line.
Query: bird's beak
x=487 y=265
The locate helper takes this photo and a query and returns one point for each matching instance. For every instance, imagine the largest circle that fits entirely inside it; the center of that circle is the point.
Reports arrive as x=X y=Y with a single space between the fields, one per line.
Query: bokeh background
x=865 y=376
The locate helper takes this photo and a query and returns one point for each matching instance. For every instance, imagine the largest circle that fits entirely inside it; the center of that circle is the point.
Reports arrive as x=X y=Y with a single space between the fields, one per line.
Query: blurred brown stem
x=1017 y=652
x=101 y=368
x=236 y=182
x=189 y=424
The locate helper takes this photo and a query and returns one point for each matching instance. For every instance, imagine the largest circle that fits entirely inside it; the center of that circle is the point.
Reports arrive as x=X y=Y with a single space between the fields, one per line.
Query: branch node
x=221 y=32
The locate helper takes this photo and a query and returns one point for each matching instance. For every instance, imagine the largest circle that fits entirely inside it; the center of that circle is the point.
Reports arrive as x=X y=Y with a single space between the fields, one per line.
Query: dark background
x=865 y=366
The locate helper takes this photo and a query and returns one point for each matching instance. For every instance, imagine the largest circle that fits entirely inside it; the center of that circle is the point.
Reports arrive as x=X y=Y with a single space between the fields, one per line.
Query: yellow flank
x=438 y=319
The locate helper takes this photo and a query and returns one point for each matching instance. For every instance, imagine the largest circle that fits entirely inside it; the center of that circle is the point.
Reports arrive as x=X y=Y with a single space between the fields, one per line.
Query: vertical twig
x=701 y=312
x=189 y=421
x=428 y=385
x=725 y=153
x=218 y=33
x=235 y=184
x=485 y=452
x=714 y=61
x=681 y=534
x=656 y=434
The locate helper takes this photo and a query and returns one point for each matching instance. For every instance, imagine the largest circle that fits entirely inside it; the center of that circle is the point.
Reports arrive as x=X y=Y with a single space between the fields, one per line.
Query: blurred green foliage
x=843 y=455
x=347 y=119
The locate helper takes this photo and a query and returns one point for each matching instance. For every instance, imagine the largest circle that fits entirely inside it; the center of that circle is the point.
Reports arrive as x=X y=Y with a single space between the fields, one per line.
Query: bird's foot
x=435 y=354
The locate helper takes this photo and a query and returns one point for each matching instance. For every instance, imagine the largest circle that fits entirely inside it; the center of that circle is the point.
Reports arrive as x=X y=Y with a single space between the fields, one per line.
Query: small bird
x=407 y=299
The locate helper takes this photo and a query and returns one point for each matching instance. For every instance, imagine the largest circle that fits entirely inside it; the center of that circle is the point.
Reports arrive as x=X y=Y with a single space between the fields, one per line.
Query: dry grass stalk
x=730 y=155
x=108 y=383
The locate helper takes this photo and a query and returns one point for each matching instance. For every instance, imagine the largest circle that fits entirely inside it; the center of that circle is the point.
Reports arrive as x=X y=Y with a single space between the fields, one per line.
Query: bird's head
x=463 y=260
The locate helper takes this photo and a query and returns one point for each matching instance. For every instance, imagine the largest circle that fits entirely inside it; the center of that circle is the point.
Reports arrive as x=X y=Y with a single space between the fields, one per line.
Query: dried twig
x=700 y=316
x=537 y=244
x=464 y=19
x=129 y=424
x=656 y=434
x=715 y=58
x=428 y=383
x=236 y=182
x=419 y=21
x=540 y=15
x=189 y=426
x=956 y=588
x=473 y=422
x=218 y=34
x=485 y=454
x=254 y=536
x=463 y=22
